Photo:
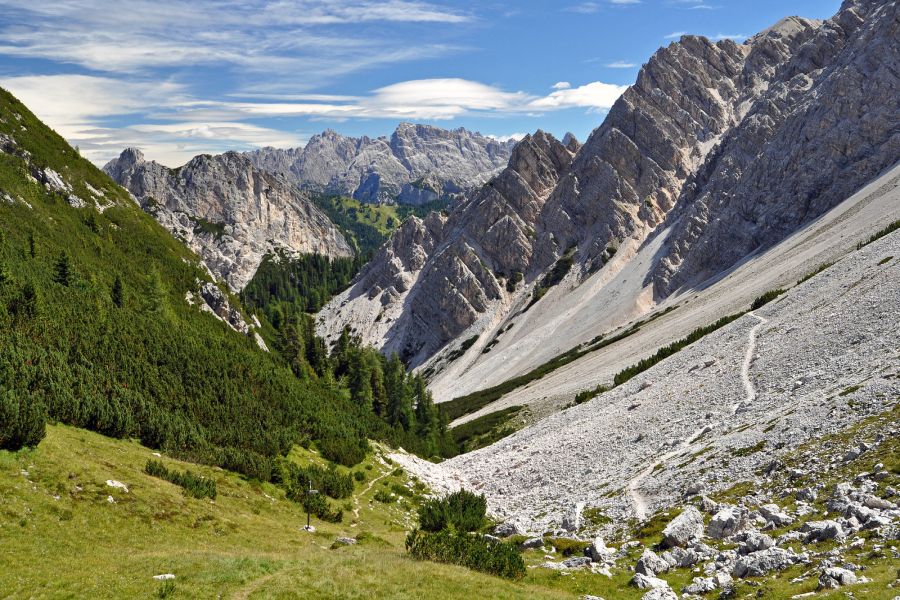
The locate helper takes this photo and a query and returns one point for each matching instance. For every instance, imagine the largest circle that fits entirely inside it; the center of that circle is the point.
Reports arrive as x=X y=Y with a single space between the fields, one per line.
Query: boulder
x=576 y=562
x=820 y=531
x=754 y=542
x=530 y=543
x=708 y=505
x=345 y=541
x=646 y=582
x=505 y=530
x=660 y=594
x=681 y=557
x=598 y=551
x=650 y=564
x=724 y=523
x=704 y=585
x=806 y=494
x=873 y=501
x=684 y=528
x=772 y=513
x=760 y=563
x=835 y=577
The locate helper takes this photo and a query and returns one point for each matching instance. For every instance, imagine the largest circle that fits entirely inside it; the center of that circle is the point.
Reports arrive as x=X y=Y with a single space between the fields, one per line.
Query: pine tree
x=360 y=379
x=117 y=292
x=62 y=271
x=25 y=304
x=155 y=293
x=426 y=412
x=341 y=354
x=379 y=393
x=399 y=409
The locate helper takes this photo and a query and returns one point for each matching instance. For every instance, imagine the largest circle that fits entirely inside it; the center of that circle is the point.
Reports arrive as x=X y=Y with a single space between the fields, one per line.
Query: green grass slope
x=62 y=537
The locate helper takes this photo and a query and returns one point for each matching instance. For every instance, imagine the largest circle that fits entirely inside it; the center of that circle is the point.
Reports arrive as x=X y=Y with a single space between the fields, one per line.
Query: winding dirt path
x=748 y=361
x=638 y=499
x=368 y=488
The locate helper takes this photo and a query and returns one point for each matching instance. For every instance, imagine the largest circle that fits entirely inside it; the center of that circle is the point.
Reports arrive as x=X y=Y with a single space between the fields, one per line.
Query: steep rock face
x=556 y=200
x=399 y=168
x=437 y=276
x=829 y=124
x=228 y=211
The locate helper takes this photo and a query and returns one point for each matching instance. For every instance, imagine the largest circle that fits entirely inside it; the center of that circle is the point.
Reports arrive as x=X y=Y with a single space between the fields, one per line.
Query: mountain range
x=417 y=164
x=716 y=153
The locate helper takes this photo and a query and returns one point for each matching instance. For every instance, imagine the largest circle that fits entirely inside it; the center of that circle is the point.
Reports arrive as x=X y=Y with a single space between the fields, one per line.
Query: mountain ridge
x=229 y=212
x=416 y=164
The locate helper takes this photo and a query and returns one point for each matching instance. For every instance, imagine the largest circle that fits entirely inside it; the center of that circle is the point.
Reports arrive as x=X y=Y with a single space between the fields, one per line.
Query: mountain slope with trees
x=99 y=331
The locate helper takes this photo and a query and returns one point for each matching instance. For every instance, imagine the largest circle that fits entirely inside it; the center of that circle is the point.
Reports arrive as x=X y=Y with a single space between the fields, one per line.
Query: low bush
x=22 y=420
x=461 y=511
x=316 y=504
x=471 y=551
x=328 y=481
x=880 y=234
x=384 y=497
x=667 y=351
x=195 y=485
x=766 y=298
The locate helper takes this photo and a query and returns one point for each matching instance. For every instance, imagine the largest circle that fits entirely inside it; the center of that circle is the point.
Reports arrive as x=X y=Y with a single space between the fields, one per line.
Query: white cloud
x=584 y=8
x=78 y=107
x=562 y=85
x=422 y=99
x=621 y=64
x=624 y=2
x=716 y=38
x=728 y=36
x=596 y=95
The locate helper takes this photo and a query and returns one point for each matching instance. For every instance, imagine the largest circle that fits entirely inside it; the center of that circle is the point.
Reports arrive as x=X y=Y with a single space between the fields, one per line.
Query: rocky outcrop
x=417 y=164
x=438 y=275
x=826 y=124
x=227 y=211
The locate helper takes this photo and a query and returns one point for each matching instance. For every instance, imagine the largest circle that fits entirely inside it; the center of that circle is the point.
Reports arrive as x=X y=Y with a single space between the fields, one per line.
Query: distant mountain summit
x=417 y=164
x=228 y=211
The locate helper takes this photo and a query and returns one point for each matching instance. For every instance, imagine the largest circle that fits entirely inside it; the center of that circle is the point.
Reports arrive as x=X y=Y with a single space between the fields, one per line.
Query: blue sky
x=178 y=78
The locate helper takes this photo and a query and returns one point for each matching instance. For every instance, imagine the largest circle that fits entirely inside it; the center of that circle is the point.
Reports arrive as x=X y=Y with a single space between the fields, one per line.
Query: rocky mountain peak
x=388 y=169
x=229 y=212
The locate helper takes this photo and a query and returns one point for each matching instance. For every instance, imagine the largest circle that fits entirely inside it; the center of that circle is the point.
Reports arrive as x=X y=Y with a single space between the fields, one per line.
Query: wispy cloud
x=620 y=64
x=81 y=108
x=253 y=36
x=585 y=8
x=675 y=35
x=693 y=4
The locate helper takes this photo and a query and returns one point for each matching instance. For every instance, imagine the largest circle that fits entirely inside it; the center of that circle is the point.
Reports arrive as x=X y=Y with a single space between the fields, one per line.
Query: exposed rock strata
x=228 y=212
